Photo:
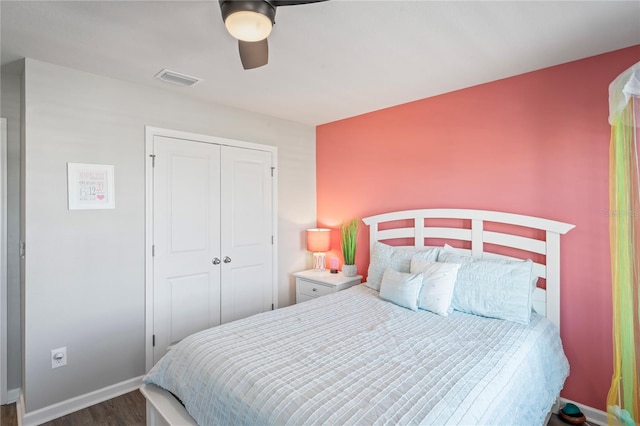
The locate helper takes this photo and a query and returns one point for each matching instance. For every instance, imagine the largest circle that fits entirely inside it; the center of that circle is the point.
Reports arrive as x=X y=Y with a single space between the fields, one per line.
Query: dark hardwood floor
x=125 y=410
x=8 y=415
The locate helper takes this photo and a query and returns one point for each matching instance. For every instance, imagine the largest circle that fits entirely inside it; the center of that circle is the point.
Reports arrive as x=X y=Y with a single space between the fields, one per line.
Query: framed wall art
x=90 y=186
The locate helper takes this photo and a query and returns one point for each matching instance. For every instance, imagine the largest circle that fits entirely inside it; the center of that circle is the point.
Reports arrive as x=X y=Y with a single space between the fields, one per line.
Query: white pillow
x=493 y=288
x=437 y=285
x=448 y=249
x=401 y=288
x=385 y=256
x=461 y=252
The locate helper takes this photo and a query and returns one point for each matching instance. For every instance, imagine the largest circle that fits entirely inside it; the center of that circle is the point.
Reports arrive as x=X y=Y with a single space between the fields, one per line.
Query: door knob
x=226 y=259
x=215 y=261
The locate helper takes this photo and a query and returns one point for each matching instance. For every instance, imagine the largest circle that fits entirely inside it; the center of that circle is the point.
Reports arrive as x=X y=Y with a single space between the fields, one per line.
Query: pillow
x=493 y=288
x=385 y=256
x=461 y=252
x=448 y=249
x=401 y=288
x=437 y=285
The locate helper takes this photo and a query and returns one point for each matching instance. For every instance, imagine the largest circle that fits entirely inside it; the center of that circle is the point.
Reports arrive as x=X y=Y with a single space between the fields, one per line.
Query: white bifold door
x=212 y=237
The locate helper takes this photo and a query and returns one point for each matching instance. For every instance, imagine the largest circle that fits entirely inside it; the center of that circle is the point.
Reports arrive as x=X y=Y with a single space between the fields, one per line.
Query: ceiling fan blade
x=278 y=3
x=253 y=54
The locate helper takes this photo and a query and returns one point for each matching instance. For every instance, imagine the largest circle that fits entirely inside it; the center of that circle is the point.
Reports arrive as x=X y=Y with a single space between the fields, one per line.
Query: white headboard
x=472 y=229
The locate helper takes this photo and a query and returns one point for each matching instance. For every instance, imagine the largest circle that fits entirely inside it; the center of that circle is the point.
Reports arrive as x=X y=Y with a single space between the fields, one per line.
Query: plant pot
x=350 y=270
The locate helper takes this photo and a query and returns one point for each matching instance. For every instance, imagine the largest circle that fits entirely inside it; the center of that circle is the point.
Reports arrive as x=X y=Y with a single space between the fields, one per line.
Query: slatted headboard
x=472 y=230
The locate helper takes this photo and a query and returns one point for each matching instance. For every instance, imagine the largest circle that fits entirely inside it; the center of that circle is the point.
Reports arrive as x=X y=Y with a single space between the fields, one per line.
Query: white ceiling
x=328 y=61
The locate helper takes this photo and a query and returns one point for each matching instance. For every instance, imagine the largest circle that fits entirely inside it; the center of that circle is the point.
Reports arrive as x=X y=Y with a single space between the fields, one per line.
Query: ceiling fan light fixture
x=251 y=21
x=247 y=25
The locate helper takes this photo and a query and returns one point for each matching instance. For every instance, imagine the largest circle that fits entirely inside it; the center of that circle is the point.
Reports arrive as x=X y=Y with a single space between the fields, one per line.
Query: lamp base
x=319 y=261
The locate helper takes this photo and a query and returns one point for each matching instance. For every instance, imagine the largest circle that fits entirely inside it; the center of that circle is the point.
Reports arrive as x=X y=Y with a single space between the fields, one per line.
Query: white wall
x=84 y=270
x=10 y=109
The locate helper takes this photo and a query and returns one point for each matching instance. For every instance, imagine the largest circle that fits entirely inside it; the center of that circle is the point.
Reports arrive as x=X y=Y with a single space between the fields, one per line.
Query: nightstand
x=311 y=283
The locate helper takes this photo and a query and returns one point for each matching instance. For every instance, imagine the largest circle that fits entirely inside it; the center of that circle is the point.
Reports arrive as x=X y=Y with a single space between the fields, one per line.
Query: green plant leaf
x=349 y=234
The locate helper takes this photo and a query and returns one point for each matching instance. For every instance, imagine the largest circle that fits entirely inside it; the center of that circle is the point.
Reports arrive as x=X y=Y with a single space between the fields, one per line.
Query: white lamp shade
x=248 y=26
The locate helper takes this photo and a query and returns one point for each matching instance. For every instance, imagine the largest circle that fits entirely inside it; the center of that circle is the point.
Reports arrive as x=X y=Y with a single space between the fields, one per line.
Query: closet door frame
x=150 y=134
x=3 y=263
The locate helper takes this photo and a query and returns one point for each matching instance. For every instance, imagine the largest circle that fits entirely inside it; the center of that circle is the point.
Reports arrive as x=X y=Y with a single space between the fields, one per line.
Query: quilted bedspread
x=351 y=358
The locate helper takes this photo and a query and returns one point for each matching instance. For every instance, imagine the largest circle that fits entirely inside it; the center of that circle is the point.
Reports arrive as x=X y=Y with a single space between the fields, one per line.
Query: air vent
x=177 y=78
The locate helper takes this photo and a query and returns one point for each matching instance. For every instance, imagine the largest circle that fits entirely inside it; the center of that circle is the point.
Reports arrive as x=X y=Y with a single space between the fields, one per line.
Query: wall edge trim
x=593 y=415
x=80 y=402
x=20 y=408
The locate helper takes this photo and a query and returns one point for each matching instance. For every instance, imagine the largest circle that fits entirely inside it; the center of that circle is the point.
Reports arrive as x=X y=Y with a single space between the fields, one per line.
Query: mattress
x=352 y=358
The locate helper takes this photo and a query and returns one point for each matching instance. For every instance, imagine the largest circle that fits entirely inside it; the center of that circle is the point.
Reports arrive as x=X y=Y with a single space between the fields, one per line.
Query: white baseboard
x=13 y=395
x=72 y=405
x=593 y=415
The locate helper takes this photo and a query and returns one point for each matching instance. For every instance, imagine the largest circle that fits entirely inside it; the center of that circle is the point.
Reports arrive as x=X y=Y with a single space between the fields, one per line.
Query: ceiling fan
x=251 y=21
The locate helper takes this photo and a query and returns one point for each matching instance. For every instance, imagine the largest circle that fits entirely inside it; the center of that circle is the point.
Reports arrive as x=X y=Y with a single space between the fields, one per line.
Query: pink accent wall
x=535 y=144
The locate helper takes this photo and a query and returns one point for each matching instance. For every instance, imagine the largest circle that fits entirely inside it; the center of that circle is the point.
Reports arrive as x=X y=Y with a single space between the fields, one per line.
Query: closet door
x=186 y=228
x=247 y=232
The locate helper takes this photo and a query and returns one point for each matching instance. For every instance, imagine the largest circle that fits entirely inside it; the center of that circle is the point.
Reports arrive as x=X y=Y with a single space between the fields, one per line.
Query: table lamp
x=318 y=241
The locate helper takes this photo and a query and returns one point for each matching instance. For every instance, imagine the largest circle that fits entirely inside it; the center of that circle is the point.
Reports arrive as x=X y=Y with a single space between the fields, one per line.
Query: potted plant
x=349 y=233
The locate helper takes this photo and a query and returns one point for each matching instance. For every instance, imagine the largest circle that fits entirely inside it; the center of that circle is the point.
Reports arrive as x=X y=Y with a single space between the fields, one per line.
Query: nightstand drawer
x=312 y=284
x=301 y=297
x=313 y=289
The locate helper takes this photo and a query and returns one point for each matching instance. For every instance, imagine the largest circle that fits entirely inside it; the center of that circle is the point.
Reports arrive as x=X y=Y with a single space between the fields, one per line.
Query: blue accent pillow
x=494 y=288
x=401 y=288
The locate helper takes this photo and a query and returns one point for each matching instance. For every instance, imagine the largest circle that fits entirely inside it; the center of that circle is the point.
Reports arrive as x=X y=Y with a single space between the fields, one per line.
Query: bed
x=360 y=356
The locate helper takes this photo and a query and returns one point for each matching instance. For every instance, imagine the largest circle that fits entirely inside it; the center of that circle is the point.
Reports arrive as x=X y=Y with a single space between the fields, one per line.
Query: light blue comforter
x=351 y=358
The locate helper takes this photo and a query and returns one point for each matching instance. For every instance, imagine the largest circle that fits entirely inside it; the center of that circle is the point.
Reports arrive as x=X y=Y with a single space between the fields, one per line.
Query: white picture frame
x=90 y=186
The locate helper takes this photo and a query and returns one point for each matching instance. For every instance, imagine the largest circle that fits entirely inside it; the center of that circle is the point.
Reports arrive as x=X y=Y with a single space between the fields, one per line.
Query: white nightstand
x=311 y=283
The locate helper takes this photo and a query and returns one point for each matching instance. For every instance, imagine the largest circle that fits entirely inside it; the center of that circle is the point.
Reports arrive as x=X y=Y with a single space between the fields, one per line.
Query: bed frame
x=469 y=229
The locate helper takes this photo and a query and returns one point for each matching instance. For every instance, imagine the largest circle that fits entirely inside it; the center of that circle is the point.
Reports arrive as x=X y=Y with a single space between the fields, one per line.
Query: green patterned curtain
x=624 y=225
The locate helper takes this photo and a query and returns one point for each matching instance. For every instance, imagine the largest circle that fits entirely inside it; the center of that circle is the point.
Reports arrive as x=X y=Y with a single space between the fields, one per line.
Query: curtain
x=624 y=229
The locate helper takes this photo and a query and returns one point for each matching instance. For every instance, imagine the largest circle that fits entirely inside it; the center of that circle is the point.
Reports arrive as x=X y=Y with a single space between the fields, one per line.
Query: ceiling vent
x=177 y=78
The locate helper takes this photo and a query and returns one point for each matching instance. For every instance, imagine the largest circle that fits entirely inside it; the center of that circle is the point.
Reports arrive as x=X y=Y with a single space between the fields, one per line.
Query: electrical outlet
x=58 y=357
